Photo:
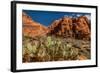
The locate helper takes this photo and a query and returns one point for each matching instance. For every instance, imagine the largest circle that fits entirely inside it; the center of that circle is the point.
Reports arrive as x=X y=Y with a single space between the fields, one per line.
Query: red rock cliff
x=32 y=28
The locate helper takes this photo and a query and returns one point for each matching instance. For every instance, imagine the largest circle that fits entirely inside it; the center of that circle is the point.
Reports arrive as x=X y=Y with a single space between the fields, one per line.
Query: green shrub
x=51 y=48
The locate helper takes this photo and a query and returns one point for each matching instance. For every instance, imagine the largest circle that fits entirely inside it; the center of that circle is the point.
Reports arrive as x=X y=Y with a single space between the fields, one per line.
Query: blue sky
x=47 y=17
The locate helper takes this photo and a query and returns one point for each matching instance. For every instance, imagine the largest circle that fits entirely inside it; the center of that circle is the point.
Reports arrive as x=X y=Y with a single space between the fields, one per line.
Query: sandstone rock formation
x=78 y=27
x=62 y=27
x=32 y=28
x=81 y=28
x=71 y=27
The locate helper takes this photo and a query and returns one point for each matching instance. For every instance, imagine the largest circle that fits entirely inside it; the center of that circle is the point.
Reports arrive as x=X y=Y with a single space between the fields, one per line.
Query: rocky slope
x=78 y=27
x=71 y=27
x=32 y=28
x=81 y=27
x=61 y=27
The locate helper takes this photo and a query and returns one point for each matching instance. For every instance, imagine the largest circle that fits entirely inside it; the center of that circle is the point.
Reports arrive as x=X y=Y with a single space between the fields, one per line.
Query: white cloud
x=65 y=15
x=78 y=15
x=73 y=14
x=88 y=16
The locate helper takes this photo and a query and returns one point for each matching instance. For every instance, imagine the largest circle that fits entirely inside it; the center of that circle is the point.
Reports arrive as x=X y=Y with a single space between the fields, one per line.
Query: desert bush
x=51 y=48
